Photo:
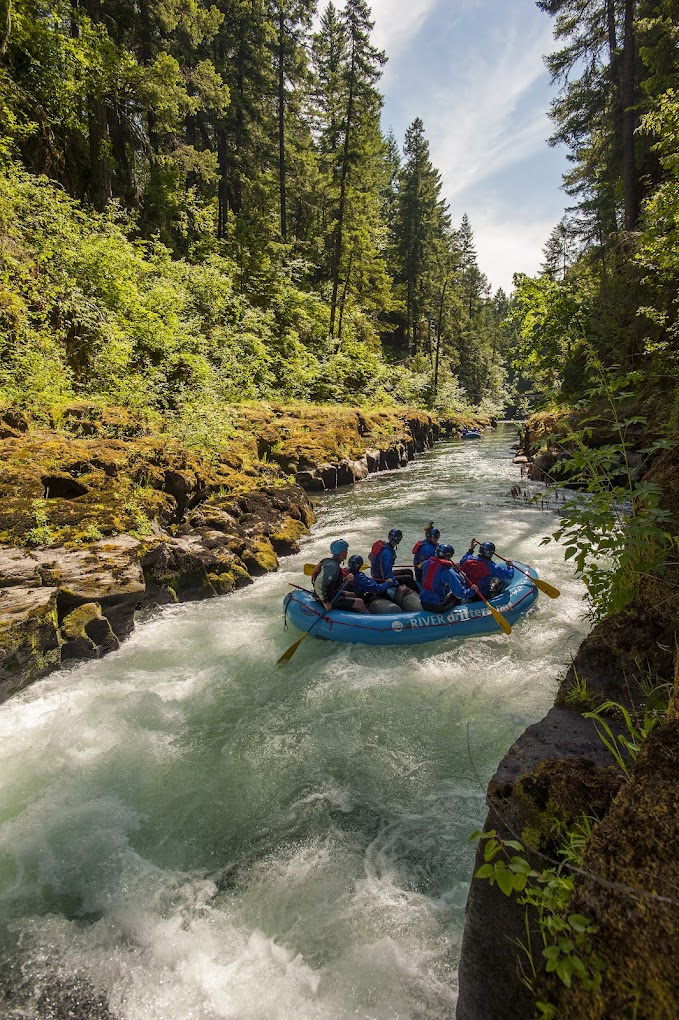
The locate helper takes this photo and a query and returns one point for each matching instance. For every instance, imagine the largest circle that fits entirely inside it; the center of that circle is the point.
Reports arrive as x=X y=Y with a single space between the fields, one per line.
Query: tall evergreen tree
x=362 y=102
x=422 y=227
x=292 y=20
x=596 y=113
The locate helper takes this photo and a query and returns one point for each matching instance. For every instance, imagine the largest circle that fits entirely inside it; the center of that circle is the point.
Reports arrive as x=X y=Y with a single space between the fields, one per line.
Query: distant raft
x=470 y=434
x=398 y=628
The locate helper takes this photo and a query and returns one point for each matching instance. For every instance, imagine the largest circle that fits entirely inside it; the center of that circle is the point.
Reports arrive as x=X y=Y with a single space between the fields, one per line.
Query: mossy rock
x=259 y=556
x=29 y=636
x=286 y=539
x=87 y=633
x=223 y=583
x=556 y=795
x=74 y=625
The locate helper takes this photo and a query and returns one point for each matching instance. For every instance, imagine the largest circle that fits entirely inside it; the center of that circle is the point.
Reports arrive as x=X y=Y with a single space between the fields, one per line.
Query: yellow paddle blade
x=544 y=586
x=287 y=655
x=310 y=567
x=500 y=619
x=547 y=588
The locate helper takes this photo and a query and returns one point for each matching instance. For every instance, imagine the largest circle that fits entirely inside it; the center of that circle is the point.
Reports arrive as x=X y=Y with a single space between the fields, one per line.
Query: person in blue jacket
x=490 y=577
x=424 y=550
x=442 y=586
x=366 y=586
x=383 y=557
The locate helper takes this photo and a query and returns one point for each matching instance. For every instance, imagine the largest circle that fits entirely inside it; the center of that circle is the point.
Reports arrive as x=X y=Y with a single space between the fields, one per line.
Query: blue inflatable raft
x=471 y=434
x=465 y=620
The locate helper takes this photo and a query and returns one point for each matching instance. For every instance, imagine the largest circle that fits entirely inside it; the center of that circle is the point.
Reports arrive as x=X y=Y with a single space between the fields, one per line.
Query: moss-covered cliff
x=103 y=511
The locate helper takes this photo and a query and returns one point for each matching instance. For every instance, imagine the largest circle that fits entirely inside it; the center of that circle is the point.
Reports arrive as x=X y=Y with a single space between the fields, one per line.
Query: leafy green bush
x=614 y=528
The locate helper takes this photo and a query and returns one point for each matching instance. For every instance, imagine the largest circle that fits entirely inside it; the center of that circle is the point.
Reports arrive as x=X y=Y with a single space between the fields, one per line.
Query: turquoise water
x=199 y=834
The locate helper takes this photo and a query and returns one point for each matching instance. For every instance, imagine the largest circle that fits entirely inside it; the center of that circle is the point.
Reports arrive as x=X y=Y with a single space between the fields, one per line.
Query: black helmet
x=487 y=550
x=433 y=535
x=395 y=535
x=354 y=563
x=445 y=551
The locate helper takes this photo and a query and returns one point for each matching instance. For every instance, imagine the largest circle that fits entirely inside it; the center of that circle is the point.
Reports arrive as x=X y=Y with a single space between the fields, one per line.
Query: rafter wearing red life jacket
x=490 y=577
x=422 y=551
x=476 y=569
x=441 y=584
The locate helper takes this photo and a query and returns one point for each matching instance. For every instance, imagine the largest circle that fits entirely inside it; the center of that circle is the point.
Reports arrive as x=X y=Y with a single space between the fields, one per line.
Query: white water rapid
x=196 y=834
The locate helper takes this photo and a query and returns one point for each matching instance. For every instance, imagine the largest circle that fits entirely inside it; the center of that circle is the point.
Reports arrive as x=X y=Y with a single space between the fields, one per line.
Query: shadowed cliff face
x=630 y=889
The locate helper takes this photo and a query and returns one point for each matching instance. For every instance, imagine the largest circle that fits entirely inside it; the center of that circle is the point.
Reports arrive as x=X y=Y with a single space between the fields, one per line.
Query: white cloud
x=397 y=22
x=509 y=244
x=484 y=121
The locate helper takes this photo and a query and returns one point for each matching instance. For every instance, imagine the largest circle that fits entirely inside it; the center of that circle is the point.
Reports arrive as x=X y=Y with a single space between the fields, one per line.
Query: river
x=197 y=834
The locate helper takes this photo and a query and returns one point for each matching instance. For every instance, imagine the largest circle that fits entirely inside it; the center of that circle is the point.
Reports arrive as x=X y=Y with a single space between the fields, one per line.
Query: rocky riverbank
x=102 y=513
x=559 y=771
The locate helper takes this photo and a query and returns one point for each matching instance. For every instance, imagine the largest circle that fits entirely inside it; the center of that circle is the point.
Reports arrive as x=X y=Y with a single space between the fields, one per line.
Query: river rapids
x=188 y=832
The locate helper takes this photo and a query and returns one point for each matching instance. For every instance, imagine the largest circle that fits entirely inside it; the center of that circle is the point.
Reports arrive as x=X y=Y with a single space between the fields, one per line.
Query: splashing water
x=197 y=834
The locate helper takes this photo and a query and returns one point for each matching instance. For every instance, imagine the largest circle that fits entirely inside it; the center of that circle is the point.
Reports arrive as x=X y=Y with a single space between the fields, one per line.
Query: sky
x=473 y=71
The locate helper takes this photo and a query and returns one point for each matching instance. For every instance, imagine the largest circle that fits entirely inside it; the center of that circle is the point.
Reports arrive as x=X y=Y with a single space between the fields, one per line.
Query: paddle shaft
x=544 y=586
x=497 y=616
x=310 y=567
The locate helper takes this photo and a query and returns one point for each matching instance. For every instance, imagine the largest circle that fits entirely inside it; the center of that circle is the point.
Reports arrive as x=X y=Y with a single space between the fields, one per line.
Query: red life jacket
x=433 y=566
x=417 y=547
x=377 y=548
x=476 y=570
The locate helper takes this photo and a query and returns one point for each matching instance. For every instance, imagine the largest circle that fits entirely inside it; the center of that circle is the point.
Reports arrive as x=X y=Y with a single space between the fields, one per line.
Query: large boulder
x=561 y=762
x=87 y=634
x=345 y=473
x=310 y=480
x=107 y=573
x=29 y=636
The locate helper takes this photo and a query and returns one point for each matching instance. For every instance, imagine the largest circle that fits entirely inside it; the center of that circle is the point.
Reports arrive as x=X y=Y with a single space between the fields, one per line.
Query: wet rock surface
x=559 y=762
x=60 y=604
x=560 y=770
x=104 y=515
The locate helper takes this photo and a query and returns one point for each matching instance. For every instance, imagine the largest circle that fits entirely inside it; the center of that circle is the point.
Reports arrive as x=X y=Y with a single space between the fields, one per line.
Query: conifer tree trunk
x=281 y=119
x=630 y=189
x=345 y=292
x=97 y=124
x=222 y=189
x=7 y=31
x=337 y=263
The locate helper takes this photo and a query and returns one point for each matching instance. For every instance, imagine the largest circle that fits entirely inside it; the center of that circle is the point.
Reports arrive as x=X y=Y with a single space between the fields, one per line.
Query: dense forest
x=198 y=204
x=605 y=303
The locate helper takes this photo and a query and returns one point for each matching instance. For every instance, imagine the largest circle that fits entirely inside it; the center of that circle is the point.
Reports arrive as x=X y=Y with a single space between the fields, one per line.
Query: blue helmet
x=339 y=547
x=487 y=550
x=355 y=563
x=445 y=551
x=395 y=535
x=433 y=535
